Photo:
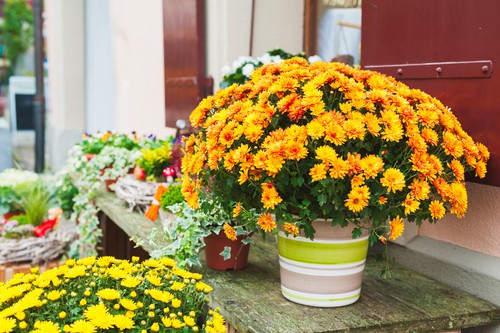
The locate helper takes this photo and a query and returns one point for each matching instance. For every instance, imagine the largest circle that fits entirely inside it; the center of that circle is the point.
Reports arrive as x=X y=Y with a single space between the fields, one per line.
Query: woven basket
x=38 y=250
x=138 y=194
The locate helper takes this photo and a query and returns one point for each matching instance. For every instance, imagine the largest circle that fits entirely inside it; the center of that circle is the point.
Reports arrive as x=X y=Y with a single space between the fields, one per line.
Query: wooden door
x=184 y=58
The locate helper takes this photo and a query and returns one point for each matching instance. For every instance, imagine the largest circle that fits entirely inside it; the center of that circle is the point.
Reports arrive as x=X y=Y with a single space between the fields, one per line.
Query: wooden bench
x=251 y=300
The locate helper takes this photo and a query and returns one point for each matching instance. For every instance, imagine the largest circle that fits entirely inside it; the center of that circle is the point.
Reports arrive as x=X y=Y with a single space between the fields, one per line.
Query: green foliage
x=21 y=219
x=35 y=202
x=8 y=200
x=66 y=192
x=95 y=143
x=12 y=181
x=171 y=197
x=16 y=30
x=155 y=159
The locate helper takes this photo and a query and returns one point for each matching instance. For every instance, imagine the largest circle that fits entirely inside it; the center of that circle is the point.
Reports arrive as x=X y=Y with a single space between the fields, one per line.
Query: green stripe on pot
x=317 y=253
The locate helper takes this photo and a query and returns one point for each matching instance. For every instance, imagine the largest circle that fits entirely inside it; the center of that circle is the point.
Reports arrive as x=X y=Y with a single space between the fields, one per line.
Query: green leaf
x=226 y=254
x=356 y=232
x=322 y=199
x=337 y=217
x=372 y=239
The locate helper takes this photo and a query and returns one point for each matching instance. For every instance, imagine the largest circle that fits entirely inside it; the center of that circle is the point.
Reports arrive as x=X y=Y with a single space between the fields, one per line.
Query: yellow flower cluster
x=327 y=140
x=107 y=295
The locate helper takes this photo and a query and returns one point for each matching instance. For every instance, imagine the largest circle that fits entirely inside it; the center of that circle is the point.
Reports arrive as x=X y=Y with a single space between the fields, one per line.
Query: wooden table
x=251 y=300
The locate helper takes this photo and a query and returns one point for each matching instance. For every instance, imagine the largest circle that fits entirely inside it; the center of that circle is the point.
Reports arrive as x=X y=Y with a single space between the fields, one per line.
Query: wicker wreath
x=138 y=194
x=38 y=250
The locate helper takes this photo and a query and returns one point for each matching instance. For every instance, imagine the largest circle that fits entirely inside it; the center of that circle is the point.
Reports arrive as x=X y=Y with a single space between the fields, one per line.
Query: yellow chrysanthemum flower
x=128 y=304
x=123 y=322
x=81 y=326
x=108 y=294
x=176 y=303
x=105 y=261
x=130 y=282
x=154 y=280
x=161 y=295
x=53 y=295
x=88 y=261
x=99 y=316
x=7 y=324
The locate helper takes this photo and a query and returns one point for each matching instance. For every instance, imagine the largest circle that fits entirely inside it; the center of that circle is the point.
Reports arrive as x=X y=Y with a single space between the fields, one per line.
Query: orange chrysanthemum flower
x=393 y=179
x=266 y=222
x=333 y=134
x=237 y=210
x=270 y=197
x=397 y=227
x=457 y=196
x=410 y=204
x=229 y=231
x=480 y=169
x=371 y=166
x=318 y=172
x=358 y=199
x=383 y=239
x=458 y=169
x=291 y=228
x=437 y=209
x=420 y=189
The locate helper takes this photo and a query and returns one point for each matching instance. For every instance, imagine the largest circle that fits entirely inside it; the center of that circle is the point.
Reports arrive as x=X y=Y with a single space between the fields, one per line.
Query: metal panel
x=461 y=38
x=438 y=70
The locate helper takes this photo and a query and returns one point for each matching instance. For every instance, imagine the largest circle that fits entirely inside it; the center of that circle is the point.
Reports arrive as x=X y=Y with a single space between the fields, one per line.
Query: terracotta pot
x=215 y=244
x=89 y=156
x=108 y=182
x=326 y=271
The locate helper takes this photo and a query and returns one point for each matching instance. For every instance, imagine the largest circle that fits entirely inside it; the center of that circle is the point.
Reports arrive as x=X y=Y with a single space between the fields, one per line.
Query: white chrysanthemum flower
x=314 y=58
x=248 y=69
x=226 y=70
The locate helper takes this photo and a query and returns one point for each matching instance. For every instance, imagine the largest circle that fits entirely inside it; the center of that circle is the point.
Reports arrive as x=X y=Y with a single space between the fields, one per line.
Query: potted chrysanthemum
x=326 y=147
x=108 y=295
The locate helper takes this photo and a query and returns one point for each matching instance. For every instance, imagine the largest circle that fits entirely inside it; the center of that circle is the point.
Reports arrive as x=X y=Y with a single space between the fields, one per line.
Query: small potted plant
x=317 y=146
x=33 y=234
x=112 y=155
x=10 y=180
x=188 y=231
x=109 y=295
x=240 y=70
x=154 y=160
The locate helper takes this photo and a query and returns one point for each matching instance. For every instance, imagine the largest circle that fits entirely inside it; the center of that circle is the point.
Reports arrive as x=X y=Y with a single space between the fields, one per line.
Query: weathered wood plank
x=251 y=300
x=410 y=302
x=134 y=224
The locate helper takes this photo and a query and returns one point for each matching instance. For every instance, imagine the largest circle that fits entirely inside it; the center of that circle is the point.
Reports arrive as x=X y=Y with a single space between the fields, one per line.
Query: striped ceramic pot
x=326 y=271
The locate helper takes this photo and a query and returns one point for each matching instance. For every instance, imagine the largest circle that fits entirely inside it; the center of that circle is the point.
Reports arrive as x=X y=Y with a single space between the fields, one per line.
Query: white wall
x=100 y=73
x=137 y=47
x=228 y=30
x=65 y=54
